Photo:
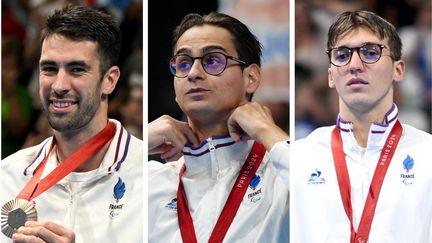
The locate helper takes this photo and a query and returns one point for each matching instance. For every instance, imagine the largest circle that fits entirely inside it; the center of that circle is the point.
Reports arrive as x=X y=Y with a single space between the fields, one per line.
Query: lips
x=61 y=105
x=196 y=91
x=357 y=81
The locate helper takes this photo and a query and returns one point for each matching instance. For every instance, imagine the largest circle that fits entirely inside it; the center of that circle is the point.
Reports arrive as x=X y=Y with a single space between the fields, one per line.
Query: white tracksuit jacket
x=84 y=202
x=212 y=169
x=404 y=210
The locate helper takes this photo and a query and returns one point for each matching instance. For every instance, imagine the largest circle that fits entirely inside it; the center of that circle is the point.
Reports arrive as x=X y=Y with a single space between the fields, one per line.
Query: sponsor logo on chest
x=316 y=178
x=172 y=204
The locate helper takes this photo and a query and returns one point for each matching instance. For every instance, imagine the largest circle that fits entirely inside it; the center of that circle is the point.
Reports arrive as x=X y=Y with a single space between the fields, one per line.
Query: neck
x=205 y=130
x=68 y=144
x=361 y=132
x=362 y=122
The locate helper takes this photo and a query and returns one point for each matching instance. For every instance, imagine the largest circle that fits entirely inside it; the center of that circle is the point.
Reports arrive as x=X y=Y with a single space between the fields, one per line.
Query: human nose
x=355 y=64
x=197 y=71
x=61 y=84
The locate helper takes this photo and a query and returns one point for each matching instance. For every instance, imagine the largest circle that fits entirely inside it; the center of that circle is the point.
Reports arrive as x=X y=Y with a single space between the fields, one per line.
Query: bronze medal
x=14 y=214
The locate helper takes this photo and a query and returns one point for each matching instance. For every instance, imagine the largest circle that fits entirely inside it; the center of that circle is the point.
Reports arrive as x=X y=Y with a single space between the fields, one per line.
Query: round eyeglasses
x=368 y=53
x=214 y=63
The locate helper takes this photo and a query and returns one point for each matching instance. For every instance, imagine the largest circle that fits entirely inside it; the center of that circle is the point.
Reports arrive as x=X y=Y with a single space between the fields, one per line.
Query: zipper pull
x=211 y=145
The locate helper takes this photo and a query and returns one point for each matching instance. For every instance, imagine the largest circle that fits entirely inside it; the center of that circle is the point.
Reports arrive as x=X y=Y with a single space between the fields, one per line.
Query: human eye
x=183 y=63
x=77 y=70
x=342 y=54
x=370 y=52
x=77 y=67
x=214 y=59
x=48 y=69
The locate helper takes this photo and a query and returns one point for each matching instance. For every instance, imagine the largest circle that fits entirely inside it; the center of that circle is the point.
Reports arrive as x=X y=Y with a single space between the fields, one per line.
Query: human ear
x=110 y=79
x=252 y=78
x=399 y=70
x=331 y=82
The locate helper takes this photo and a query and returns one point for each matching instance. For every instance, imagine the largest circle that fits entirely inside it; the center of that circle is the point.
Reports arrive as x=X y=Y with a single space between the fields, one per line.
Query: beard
x=87 y=108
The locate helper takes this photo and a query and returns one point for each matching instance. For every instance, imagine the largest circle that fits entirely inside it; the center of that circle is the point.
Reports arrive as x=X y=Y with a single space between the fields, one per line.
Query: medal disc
x=14 y=214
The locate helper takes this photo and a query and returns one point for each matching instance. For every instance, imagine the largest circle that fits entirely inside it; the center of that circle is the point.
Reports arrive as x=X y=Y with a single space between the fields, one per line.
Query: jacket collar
x=378 y=132
x=214 y=155
x=112 y=161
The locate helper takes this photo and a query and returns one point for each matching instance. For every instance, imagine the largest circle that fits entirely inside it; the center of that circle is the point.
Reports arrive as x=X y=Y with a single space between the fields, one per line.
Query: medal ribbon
x=36 y=186
x=374 y=190
x=231 y=206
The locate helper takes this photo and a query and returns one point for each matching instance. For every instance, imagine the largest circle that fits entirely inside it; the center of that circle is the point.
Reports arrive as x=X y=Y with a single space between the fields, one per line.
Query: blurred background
x=268 y=20
x=23 y=123
x=316 y=104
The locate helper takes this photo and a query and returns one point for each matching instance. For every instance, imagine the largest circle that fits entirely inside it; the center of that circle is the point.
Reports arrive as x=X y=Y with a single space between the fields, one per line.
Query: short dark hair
x=348 y=21
x=247 y=45
x=79 y=22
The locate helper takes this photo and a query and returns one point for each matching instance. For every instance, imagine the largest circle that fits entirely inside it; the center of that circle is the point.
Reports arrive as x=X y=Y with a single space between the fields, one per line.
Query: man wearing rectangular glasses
x=368 y=178
x=225 y=185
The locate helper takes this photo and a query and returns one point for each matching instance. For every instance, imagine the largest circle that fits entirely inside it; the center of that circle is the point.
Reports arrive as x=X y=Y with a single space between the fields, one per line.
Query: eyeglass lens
x=214 y=63
x=369 y=53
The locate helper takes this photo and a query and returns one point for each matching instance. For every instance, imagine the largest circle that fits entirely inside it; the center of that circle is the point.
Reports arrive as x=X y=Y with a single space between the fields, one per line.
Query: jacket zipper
x=214 y=164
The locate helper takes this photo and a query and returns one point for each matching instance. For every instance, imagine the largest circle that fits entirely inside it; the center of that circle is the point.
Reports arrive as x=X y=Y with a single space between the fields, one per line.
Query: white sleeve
x=279 y=155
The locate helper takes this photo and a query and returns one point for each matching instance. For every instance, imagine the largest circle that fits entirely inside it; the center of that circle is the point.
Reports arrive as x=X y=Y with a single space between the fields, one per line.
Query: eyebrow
x=47 y=63
x=361 y=44
x=67 y=64
x=78 y=63
x=204 y=50
x=213 y=48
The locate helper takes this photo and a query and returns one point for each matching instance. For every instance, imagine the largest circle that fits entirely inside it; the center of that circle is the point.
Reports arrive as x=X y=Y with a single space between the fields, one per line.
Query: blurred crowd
x=23 y=122
x=316 y=104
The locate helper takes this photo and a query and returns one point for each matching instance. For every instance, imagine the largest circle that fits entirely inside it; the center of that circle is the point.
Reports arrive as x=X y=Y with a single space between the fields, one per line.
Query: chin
x=193 y=111
x=362 y=105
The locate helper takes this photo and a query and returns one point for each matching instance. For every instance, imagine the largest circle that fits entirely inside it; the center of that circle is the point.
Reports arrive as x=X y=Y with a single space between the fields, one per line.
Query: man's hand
x=255 y=120
x=167 y=136
x=46 y=231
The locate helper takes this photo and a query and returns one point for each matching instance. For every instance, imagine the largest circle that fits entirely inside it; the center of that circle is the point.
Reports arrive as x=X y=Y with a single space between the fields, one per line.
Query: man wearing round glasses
x=213 y=63
x=225 y=186
x=368 y=178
